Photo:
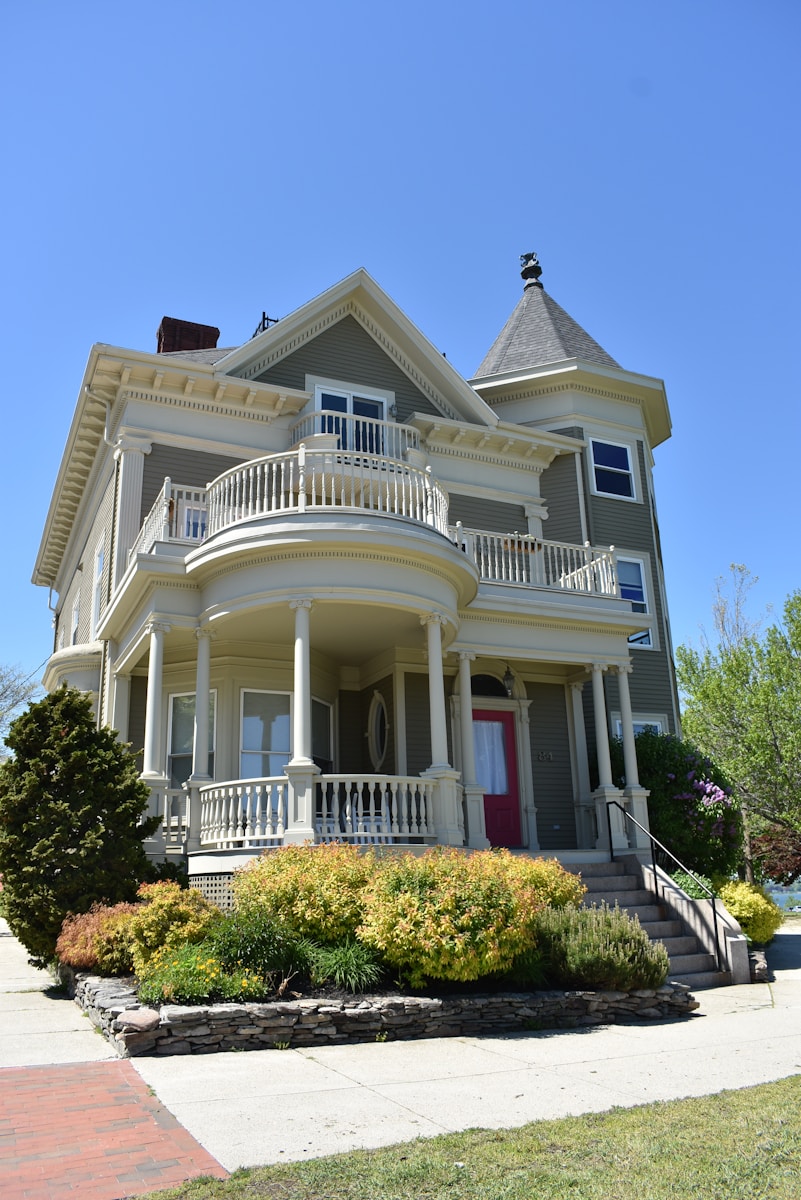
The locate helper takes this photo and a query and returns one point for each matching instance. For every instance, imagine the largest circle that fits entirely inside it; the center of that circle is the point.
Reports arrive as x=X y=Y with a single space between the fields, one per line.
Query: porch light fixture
x=508 y=681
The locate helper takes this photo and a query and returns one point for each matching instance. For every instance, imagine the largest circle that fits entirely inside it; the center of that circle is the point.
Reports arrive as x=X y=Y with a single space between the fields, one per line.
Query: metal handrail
x=654 y=843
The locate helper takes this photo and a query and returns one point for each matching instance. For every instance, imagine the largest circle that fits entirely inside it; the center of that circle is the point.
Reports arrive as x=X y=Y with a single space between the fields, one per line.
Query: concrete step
x=647 y=913
x=698 y=980
x=589 y=869
x=692 y=964
x=633 y=898
x=611 y=883
x=680 y=944
x=659 y=930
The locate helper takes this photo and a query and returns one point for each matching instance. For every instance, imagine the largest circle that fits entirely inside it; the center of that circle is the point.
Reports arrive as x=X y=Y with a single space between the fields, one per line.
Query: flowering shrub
x=317 y=891
x=191 y=974
x=169 y=916
x=550 y=883
x=448 y=915
x=598 y=947
x=98 y=940
x=690 y=807
x=758 y=916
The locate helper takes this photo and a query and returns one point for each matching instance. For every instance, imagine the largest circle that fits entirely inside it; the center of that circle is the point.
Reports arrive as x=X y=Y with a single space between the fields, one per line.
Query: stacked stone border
x=134 y=1029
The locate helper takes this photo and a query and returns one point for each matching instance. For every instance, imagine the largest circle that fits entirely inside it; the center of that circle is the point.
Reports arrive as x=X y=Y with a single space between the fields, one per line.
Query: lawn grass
x=737 y=1145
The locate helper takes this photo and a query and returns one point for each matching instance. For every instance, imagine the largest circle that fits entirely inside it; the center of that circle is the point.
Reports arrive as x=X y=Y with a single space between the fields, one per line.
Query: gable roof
x=539 y=331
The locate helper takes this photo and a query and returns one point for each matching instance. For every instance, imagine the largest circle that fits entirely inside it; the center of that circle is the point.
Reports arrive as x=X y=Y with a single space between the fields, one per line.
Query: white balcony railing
x=362 y=809
x=178 y=515
x=533 y=562
x=364 y=434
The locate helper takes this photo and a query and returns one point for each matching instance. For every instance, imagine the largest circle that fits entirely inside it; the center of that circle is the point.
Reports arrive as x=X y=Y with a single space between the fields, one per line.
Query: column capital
x=302 y=602
x=597 y=668
x=625 y=668
x=576 y=686
x=158 y=627
x=434 y=618
x=128 y=442
x=203 y=631
x=466 y=656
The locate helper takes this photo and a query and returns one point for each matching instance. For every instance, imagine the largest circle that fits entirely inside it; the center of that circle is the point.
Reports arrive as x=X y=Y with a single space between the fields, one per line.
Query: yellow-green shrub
x=169 y=916
x=448 y=915
x=98 y=940
x=317 y=891
x=758 y=916
x=552 y=885
x=192 y=974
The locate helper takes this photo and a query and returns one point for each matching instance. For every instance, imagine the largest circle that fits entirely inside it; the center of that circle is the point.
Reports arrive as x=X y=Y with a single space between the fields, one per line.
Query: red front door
x=496 y=772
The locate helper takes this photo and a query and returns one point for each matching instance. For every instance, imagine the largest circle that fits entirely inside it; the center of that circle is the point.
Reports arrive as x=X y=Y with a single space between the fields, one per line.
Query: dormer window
x=611 y=469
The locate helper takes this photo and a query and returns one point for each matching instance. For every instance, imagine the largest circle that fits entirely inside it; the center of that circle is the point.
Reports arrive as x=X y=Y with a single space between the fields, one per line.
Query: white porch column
x=120 y=705
x=601 y=727
x=200 y=741
x=473 y=794
x=130 y=455
x=153 y=708
x=301 y=722
x=301 y=770
x=436 y=691
x=627 y=727
x=636 y=795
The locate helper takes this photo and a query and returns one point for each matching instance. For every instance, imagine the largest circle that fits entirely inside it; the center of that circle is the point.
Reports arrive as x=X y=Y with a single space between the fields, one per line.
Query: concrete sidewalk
x=247 y=1109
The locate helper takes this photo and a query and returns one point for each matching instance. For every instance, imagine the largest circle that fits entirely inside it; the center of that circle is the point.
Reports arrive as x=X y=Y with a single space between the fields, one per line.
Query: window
x=377 y=730
x=191 y=521
x=350 y=413
x=631 y=577
x=97 y=590
x=611 y=468
x=182 y=737
x=76 y=617
x=640 y=724
x=266 y=734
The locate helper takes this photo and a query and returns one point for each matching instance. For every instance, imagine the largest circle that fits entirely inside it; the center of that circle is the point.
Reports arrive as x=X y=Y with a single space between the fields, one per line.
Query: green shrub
x=749 y=904
x=350 y=965
x=169 y=916
x=447 y=915
x=314 y=890
x=542 y=880
x=190 y=974
x=99 y=940
x=689 y=885
x=71 y=819
x=255 y=940
x=598 y=947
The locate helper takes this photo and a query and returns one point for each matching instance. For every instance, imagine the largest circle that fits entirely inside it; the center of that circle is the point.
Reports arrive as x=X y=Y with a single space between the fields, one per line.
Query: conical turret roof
x=539 y=331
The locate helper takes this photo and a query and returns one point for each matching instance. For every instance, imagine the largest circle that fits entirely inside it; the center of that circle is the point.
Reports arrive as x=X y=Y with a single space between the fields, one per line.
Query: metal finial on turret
x=531 y=270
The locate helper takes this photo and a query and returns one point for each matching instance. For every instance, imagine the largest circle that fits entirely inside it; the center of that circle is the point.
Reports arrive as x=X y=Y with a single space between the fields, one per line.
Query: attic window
x=611 y=468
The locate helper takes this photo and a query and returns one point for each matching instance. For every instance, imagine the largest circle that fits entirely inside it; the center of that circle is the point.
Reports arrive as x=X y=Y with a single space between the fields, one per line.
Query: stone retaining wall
x=134 y=1029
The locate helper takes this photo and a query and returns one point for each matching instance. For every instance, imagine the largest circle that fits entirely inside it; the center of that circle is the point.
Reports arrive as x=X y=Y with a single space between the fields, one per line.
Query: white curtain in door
x=490 y=757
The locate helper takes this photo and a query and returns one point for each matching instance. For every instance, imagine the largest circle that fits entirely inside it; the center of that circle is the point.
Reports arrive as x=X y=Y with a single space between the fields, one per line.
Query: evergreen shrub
x=599 y=947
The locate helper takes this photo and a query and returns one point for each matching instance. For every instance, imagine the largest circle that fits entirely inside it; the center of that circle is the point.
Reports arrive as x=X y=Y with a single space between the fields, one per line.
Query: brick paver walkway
x=90 y=1130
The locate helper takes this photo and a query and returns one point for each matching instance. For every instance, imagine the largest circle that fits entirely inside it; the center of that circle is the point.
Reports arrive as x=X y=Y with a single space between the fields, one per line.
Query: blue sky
x=211 y=161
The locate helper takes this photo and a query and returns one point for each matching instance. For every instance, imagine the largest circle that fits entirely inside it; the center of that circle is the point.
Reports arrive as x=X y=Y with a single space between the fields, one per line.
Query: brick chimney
x=174 y=335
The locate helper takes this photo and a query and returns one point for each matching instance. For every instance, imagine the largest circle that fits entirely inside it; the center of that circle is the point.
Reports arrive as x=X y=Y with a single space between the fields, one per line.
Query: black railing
x=654 y=842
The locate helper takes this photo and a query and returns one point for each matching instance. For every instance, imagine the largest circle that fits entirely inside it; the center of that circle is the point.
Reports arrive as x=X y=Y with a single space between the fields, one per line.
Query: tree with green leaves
x=71 y=819
x=742 y=705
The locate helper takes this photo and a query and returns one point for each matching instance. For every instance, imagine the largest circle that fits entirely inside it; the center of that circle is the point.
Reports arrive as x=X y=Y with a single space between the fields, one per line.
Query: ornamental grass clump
x=598 y=947
x=98 y=940
x=317 y=891
x=750 y=905
x=447 y=916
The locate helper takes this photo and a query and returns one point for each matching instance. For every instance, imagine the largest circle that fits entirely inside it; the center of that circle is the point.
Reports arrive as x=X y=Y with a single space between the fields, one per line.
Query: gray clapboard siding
x=354 y=713
x=346 y=352
x=475 y=512
x=136 y=718
x=193 y=468
x=551 y=769
x=418 y=728
x=559 y=488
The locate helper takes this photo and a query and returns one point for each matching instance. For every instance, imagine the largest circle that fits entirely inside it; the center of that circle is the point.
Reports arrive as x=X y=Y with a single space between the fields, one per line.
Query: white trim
x=213 y=740
x=377 y=753
x=639 y=721
x=97 y=585
x=643 y=562
x=319 y=383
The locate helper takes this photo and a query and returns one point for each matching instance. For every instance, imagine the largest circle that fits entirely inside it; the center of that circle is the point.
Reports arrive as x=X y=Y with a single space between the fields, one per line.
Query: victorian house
x=330 y=589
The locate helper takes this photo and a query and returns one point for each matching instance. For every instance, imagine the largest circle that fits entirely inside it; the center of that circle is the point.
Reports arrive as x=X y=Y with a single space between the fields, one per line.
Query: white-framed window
x=191 y=520
x=354 y=414
x=377 y=730
x=76 y=619
x=612 y=473
x=631 y=577
x=265 y=745
x=181 y=736
x=97 y=585
x=657 y=723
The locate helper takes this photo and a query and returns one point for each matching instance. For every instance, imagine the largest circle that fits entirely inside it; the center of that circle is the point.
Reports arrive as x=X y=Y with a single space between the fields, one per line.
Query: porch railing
x=365 y=434
x=178 y=515
x=362 y=809
x=530 y=561
x=374 y=808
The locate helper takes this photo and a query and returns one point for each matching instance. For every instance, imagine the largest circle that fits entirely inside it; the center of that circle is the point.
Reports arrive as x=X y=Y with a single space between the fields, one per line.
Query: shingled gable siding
x=346 y=352
x=550 y=766
x=475 y=512
x=192 y=468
